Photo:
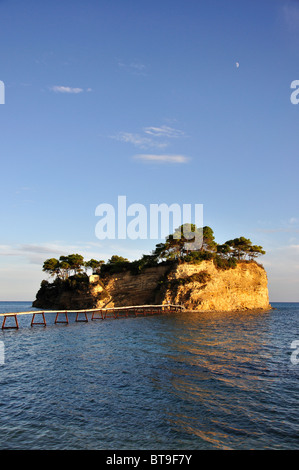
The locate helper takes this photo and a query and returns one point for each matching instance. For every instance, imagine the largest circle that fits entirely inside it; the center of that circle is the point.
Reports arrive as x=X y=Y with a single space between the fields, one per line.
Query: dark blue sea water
x=177 y=381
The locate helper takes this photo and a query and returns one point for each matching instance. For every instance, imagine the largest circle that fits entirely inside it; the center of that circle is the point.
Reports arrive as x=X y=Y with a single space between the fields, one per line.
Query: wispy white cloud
x=278 y=230
x=150 y=137
x=286 y=226
x=22 y=189
x=135 y=67
x=36 y=254
x=139 y=140
x=291 y=14
x=66 y=89
x=163 y=131
x=162 y=158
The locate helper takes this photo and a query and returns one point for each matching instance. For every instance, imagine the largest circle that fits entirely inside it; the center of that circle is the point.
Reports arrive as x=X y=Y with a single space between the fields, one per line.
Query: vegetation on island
x=188 y=244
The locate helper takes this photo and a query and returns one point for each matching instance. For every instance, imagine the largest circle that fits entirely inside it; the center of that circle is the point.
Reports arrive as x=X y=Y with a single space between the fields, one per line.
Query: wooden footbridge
x=38 y=316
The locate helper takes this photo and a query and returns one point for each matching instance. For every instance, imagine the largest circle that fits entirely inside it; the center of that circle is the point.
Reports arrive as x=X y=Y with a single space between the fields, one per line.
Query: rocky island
x=212 y=278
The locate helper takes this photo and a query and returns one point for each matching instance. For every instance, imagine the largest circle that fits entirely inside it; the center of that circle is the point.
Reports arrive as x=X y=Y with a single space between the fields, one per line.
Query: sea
x=202 y=381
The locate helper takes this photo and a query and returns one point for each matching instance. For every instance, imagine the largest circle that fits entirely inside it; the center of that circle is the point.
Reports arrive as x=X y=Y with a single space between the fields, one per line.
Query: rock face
x=135 y=289
x=200 y=287
x=206 y=288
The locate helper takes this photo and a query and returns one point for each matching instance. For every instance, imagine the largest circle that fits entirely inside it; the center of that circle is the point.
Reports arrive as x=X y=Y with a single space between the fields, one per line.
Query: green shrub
x=223 y=263
x=203 y=277
x=196 y=257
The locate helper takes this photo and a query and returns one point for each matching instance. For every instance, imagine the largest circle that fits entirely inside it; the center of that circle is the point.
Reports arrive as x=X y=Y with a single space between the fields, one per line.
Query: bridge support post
x=38 y=323
x=86 y=318
x=61 y=321
x=10 y=327
x=100 y=317
x=111 y=313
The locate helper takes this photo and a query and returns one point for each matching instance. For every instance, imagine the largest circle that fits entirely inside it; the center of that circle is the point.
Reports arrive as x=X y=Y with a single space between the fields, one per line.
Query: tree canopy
x=69 y=265
x=52 y=266
x=185 y=238
x=187 y=244
x=242 y=247
x=177 y=246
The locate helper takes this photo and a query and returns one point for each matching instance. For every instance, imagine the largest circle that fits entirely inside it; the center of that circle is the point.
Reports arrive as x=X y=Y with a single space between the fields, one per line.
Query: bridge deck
x=103 y=313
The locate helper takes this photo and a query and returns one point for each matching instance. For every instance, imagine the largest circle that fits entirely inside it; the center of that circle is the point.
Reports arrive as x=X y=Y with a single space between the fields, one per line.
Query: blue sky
x=161 y=101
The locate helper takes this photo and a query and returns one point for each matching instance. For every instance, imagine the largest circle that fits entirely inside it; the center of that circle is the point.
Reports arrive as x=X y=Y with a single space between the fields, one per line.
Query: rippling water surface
x=177 y=381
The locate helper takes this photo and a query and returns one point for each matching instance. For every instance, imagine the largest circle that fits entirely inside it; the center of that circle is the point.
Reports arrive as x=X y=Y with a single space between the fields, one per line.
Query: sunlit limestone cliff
x=201 y=287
